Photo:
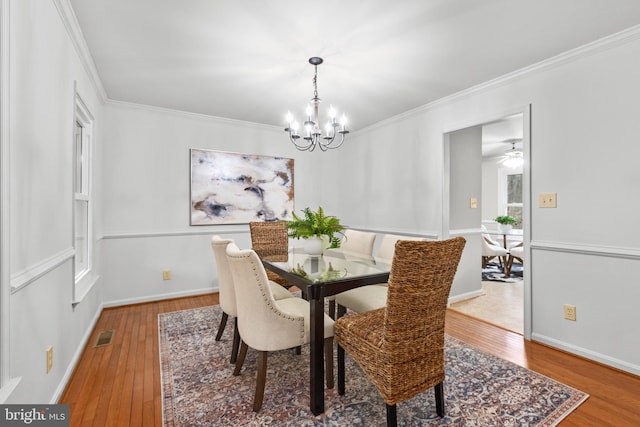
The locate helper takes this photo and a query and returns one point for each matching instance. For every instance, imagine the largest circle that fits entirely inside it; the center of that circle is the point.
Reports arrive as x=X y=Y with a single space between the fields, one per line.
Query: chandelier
x=312 y=136
x=513 y=158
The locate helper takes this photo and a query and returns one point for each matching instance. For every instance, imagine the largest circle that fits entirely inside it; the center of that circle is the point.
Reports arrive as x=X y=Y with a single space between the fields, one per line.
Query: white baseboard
x=587 y=354
x=465 y=296
x=64 y=381
x=160 y=297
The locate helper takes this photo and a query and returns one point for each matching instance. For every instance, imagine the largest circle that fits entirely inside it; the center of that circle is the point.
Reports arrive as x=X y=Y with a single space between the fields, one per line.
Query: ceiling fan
x=514 y=157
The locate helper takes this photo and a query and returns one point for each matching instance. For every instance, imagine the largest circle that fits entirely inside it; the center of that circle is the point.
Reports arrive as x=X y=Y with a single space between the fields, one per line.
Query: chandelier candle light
x=313 y=134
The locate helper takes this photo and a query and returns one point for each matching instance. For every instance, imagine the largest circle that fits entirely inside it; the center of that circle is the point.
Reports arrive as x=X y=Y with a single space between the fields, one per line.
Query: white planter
x=313 y=246
x=505 y=228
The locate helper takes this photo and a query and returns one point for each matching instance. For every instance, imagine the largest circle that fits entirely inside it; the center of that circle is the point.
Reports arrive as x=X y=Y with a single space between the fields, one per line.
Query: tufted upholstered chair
x=227 y=293
x=266 y=324
x=370 y=297
x=400 y=348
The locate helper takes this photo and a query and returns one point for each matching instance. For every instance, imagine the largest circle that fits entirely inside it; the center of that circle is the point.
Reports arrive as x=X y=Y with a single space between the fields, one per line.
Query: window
x=510 y=194
x=82 y=208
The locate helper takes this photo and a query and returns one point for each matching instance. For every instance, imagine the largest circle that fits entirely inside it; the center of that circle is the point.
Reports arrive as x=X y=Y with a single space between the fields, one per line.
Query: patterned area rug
x=493 y=273
x=199 y=390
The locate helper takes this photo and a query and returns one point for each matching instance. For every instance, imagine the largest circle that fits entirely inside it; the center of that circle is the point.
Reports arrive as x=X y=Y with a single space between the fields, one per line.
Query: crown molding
x=592 y=48
x=68 y=16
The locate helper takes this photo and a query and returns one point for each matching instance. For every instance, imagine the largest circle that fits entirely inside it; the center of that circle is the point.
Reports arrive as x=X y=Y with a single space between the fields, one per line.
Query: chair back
x=262 y=324
x=490 y=249
x=360 y=242
x=419 y=284
x=227 y=293
x=388 y=245
x=270 y=240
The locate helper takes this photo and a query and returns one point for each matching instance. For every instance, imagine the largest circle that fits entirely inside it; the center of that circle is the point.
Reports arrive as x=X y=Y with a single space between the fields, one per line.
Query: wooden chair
x=516 y=252
x=227 y=293
x=491 y=249
x=400 y=347
x=266 y=324
x=270 y=241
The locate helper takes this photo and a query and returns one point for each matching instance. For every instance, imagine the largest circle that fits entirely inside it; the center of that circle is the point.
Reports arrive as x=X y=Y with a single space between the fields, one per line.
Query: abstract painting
x=234 y=188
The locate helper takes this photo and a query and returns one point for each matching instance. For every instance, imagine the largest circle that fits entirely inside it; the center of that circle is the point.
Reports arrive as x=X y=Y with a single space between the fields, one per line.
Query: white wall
x=584 y=131
x=464 y=183
x=489 y=200
x=146 y=197
x=43 y=67
x=388 y=178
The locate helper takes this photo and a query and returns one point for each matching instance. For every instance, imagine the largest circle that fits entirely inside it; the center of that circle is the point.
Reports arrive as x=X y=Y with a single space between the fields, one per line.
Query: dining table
x=515 y=235
x=319 y=277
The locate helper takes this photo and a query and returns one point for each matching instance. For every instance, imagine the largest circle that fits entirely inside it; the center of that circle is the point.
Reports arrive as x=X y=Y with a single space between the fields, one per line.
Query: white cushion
x=364 y=298
x=492 y=250
x=517 y=251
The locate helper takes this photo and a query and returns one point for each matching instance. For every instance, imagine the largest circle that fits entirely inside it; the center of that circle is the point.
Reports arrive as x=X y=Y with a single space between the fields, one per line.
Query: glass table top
x=333 y=265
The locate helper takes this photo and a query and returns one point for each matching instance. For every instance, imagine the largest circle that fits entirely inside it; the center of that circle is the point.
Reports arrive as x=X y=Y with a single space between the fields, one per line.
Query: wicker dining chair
x=270 y=241
x=370 y=297
x=400 y=347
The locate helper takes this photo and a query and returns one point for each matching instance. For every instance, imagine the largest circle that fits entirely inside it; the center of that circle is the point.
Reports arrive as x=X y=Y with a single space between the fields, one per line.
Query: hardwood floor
x=119 y=384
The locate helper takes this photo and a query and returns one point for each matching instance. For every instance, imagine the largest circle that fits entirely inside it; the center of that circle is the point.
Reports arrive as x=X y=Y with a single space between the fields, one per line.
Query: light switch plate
x=473 y=203
x=547 y=200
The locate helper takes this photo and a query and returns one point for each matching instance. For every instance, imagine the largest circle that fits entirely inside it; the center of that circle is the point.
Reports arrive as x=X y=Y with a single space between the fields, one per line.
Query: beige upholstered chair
x=491 y=249
x=227 y=293
x=266 y=324
x=270 y=241
x=516 y=252
x=357 y=242
x=360 y=242
x=370 y=297
x=400 y=348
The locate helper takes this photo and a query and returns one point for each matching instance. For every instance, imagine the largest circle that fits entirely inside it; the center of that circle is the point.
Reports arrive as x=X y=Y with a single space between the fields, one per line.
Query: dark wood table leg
x=316 y=359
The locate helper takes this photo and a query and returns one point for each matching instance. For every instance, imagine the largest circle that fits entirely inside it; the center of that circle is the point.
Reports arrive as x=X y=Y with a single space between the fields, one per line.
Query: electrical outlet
x=547 y=200
x=473 y=203
x=570 y=312
x=166 y=274
x=49 y=359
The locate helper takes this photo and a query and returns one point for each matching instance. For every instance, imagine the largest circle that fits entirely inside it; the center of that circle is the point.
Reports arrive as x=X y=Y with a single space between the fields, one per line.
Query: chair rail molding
x=31 y=274
x=584 y=249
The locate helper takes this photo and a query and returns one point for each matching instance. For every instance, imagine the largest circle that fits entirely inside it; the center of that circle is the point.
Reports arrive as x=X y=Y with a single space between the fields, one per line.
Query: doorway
x=503 y=301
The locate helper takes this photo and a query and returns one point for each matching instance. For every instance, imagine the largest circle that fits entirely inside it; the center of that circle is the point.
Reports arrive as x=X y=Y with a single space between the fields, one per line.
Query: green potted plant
x=506 y=222
x=315 y=227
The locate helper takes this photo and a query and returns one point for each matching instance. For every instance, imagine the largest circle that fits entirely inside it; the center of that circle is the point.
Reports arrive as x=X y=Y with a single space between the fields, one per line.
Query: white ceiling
x=247 y=60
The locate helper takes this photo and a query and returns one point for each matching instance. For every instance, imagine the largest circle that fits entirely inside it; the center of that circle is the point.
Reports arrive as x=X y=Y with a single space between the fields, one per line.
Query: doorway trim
x=526 y=193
